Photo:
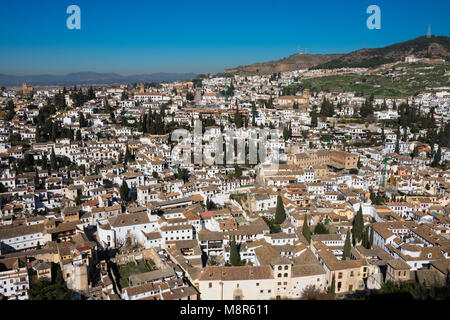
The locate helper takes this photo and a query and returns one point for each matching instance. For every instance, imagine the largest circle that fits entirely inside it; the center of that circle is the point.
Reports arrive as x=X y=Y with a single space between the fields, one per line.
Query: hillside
x=422 y=47
x=291 y=63
x=398 y=81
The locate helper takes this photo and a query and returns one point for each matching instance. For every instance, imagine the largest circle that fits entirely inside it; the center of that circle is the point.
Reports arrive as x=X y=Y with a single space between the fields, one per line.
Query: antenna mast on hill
x=429 y=31
x=300 y=50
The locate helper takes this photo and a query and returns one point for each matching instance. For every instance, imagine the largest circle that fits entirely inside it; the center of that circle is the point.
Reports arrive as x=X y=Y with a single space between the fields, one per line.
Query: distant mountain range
x=90 y=78
x=422 y=47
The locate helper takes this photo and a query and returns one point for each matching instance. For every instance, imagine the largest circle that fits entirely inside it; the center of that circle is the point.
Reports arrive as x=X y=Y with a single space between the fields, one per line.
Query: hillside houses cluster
x=106 y=176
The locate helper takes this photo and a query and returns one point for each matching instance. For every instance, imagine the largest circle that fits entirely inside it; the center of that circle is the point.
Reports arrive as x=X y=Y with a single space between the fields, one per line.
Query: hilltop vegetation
x=402 y=80
x=422 y=47
x=291 y=63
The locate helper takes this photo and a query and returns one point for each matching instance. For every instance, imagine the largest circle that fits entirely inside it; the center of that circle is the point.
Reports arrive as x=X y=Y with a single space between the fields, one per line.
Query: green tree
x=371 y=238
x=254 y=119
x=189 y=96
x=47 y=289
x=313 y=115
x=305 y=230
x=82 y=120
x=332 y=287
x=124 y=191
x=10 y=113
x=321 y=229
x=415 y=153
x=78 y=135
x=347 y=247
x=238 y=119
x=234 y=254
x=183 y=174
x=358 y=225
x=237 y=171
x=82 y=168
x=36 y=180
x=280 y=213
x=365 y=238
x=210 y=205
x=53 y=160
x=437 y=157
x=128 y=156
x=90 y=93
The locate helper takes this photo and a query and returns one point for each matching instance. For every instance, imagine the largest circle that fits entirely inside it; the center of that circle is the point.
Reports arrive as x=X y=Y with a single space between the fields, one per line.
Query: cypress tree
x=234 y=254
x=44 y=163
x=280 y=213
x=415 y=153
x=36 y=180
x=78 y=135
x=365 y=238
x=321 y=229
x=437 y=157
x=128 y=156
x=305 y=230
x=371 y=237
x=397 y=147
x=53 y=132
x=238 y=119
x=82 y=120
x=347 y=247
x=358 y=225
x=331 y=289
x=54 y=163
x=124 y=190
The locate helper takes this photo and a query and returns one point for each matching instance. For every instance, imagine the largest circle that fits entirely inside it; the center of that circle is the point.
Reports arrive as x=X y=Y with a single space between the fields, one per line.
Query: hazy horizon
x=146 y=37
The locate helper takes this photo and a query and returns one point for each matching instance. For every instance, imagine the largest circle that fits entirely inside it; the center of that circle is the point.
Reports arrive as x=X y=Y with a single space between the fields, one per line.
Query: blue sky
x=132 y=37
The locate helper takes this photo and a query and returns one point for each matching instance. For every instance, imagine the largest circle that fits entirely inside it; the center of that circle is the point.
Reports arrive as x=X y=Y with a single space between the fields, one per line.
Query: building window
x=210 y=284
